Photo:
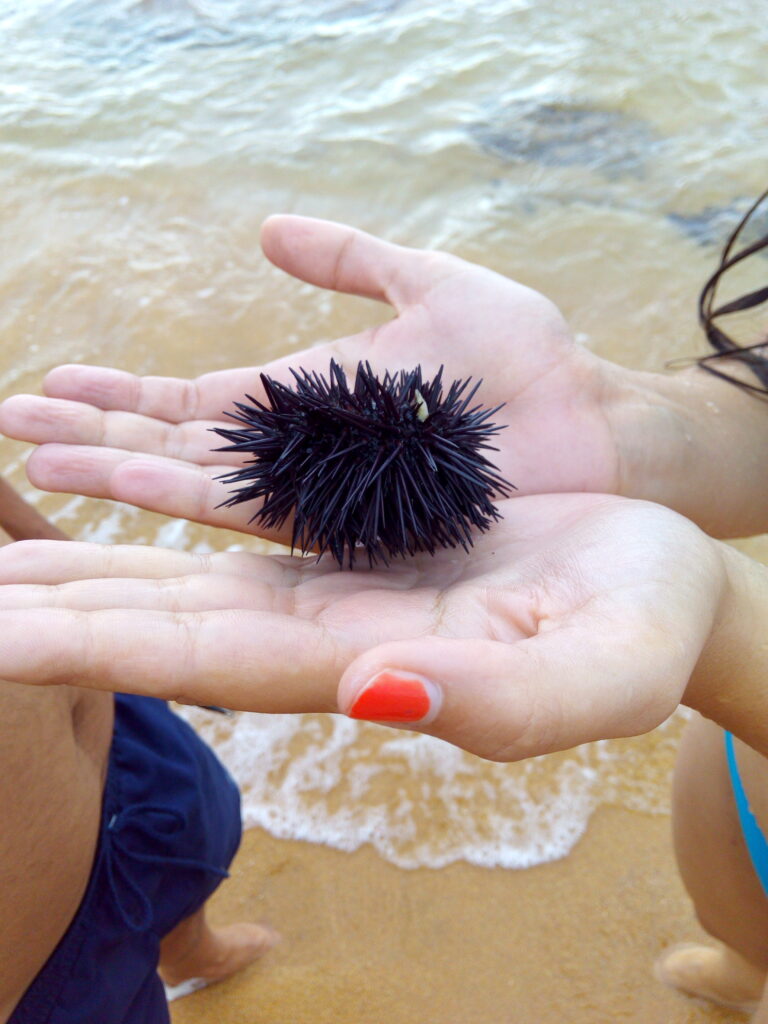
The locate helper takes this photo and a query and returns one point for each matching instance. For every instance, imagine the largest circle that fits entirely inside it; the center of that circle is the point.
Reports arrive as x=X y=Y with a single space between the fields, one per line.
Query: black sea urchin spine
x=391 y=467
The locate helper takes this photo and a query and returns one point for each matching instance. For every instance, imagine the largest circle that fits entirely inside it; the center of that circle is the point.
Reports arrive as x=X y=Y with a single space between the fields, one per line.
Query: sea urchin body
x=390 y=467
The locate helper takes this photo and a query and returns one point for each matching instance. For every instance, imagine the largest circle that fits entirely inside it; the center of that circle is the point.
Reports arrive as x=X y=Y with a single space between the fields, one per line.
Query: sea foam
x=419 y=801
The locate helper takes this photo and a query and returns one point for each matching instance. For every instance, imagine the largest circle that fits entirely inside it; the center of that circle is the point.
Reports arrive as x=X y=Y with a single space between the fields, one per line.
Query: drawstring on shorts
x=157 y=823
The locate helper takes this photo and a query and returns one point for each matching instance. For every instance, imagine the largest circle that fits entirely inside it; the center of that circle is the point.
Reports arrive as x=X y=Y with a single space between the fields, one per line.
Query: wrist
x=694 y=443
x=729 y=684
x=649 y=420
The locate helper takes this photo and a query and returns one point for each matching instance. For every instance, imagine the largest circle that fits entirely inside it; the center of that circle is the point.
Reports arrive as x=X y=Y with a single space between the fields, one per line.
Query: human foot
x=717 y=974
x=199 y=951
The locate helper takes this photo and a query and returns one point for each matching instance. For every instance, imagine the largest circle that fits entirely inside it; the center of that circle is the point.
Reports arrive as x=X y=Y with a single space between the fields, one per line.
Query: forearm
x=696 y=444
x=730 y=682
x=22 y=522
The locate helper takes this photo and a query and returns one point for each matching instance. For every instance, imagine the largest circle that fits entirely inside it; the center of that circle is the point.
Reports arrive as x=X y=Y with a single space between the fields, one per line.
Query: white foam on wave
x=418 y=801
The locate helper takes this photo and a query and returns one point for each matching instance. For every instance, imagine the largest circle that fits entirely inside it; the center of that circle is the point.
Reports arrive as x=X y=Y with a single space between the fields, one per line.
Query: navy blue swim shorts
x=170 y=828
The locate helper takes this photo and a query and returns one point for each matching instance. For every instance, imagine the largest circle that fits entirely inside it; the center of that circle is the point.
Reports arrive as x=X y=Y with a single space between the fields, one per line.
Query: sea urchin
x=391 y=466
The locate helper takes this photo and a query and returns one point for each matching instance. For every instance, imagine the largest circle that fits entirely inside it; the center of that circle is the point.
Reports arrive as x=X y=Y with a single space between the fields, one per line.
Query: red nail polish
x=392 y=698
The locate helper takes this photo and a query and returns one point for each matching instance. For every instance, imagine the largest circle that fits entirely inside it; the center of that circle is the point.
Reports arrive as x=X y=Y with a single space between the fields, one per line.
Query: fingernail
x=397 y=697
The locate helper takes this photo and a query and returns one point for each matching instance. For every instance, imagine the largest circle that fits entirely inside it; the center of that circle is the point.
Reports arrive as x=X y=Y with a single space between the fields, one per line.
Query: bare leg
x=718 y=874
x=20 y=521
x=196 y=950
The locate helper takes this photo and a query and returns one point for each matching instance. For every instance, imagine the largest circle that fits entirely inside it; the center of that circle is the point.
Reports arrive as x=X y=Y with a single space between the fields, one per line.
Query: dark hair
x=754 y=356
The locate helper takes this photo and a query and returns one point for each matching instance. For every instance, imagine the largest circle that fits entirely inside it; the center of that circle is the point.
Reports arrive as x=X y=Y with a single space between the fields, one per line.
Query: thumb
x=340 y=257
x=508 y=701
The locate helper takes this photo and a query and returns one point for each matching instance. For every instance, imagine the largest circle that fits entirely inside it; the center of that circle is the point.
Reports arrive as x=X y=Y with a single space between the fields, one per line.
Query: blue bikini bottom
x=753 y=836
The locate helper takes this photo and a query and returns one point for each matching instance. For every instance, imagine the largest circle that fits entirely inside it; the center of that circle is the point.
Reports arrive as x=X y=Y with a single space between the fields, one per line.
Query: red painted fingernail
x=392 y=698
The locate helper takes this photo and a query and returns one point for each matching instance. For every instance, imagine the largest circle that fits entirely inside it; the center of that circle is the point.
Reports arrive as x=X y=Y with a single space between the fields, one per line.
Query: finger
x=336 y=256
x=152 y=482
x=47 y=420
x=174 y=400
x=53 y=562
x=506 y=702
x=198 y=593
x=262 y=583
x=241 y=660
x=171 y=399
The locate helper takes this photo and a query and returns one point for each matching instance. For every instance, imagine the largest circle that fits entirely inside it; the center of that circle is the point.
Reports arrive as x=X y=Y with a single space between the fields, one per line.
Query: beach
x=365 y=942
x=599 y=155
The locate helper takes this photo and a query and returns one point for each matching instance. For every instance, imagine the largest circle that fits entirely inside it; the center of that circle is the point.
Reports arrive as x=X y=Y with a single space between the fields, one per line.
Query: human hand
x=147 y=441
x=576 y=617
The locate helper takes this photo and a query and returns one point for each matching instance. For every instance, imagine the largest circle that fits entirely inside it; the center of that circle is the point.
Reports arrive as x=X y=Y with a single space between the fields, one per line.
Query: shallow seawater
x=598 y=153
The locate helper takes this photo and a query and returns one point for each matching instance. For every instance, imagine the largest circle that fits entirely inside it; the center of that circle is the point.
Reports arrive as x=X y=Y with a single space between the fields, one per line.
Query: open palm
x=576 y=617
x=147 y=441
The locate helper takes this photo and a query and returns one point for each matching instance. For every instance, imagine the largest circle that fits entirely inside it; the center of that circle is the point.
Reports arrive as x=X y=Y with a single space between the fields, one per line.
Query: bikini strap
x=753 y=835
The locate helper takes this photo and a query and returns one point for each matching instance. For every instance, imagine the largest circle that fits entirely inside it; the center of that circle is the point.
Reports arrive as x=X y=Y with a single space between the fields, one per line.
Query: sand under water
x=597 y=153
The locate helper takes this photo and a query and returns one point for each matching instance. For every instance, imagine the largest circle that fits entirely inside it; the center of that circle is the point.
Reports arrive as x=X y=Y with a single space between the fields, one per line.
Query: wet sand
x=365 y=942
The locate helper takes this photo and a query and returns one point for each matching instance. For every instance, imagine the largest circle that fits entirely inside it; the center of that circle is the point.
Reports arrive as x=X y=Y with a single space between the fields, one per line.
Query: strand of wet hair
x=753 y=356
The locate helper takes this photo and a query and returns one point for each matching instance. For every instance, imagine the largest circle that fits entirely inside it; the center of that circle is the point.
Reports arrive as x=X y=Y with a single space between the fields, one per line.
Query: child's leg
x=718 y=874
x=20 y=521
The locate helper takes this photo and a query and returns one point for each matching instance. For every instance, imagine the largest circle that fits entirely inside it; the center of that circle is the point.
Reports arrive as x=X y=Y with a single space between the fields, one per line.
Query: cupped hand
x=576 y=617
x=147 y=441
